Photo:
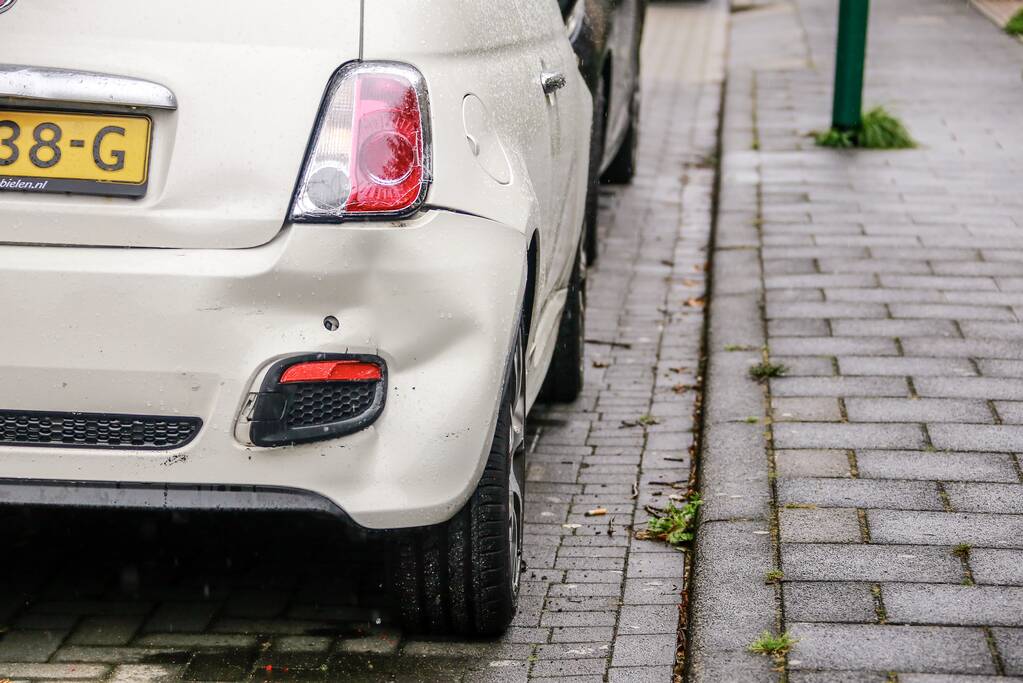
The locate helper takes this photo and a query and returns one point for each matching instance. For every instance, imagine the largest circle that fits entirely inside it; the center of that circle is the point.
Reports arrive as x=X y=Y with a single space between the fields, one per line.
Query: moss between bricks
x=1015 y=25
x=879 y=130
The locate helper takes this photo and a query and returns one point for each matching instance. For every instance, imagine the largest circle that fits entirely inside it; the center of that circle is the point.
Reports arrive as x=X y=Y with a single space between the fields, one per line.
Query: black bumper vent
x=300 y=412
x=326 y=402
x=96 y=430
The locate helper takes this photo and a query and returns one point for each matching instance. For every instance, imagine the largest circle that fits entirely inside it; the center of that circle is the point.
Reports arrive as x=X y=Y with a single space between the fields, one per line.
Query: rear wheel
x=623 y=166
x=564 y=381
x=462 y=577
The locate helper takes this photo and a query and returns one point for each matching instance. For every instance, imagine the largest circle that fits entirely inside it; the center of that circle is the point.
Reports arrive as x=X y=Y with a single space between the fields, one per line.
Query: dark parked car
x=606 y=36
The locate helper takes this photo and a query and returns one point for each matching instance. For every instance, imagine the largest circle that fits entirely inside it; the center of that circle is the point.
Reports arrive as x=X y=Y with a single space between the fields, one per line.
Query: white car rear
x=256 y=257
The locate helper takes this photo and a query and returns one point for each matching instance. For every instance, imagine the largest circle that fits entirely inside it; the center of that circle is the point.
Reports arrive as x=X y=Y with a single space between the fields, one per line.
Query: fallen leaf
x=690 y=283
x=695 y=302
x=570 y=526
x=601 y=364
x=680 y=388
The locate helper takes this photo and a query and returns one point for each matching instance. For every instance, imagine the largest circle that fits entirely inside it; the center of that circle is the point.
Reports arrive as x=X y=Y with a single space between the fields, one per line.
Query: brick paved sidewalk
x=883 y=478
x=99 y=597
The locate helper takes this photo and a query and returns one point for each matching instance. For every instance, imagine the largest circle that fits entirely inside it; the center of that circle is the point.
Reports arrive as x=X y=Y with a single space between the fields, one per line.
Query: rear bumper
x=189 y=332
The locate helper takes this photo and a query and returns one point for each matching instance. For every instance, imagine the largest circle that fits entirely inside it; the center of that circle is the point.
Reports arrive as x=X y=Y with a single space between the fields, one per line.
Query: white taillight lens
x=370 y=153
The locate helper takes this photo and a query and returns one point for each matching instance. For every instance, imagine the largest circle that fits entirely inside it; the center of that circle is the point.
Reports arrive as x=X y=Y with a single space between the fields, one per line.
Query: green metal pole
x=852 y=48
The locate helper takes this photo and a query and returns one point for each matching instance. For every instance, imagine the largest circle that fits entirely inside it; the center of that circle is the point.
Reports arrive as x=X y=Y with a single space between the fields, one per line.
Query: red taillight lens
x=332 y=371
x=387 y=150
x=370 y=153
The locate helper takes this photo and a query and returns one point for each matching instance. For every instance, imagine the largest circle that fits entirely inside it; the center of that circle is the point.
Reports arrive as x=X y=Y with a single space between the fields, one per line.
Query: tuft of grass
x=962 y=551
x=673 y=525
x=752 y=420
x=766 y=370
x=738 y=347
x=879 y=130
x=1015 y=25
x=774 y=576
x=772 y=645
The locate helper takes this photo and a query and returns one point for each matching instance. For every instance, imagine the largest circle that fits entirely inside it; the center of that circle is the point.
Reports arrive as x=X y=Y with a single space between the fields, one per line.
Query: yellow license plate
x=49 y=151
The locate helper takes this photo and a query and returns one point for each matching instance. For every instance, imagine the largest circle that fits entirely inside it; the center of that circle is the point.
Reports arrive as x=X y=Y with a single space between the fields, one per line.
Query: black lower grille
x=317 y=404
x=96 y=430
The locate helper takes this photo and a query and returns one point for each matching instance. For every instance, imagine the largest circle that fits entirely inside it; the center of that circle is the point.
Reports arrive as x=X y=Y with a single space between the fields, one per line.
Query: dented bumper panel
x=193 y=332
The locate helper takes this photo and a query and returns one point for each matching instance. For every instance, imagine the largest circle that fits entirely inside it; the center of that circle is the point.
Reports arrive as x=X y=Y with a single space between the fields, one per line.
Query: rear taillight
x=370 y=153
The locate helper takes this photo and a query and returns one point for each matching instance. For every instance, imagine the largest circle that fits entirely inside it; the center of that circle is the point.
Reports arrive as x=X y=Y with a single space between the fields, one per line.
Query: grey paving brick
x=1010 y=412
x=798 y=327
x=987 y=388
x=991 y=330
x=935 y=649
x=874 y=265
x=54 y=671
x=843 y=386
x=735 y=481
x=831 y=525
x=946 y=528
x=937 y=282
x=831 y=601
x=1010 y=646
x=821 y=281
x=811 y=463
x=648 y=650
x=954 y=678
x=952 y=311
x=835 y=562
x=860 y=493
x=648 y=619
x=936 y=466
x=736 y=605
x=963 y=348
x=996 y=438
x=995 y=498
x=818 y=409
x=894 y=328
x=918 y=367
x=953 y=605
x=106 y=630
x=806 y=366
x=639 y=674
x=838 y=677
x=1001 y=368
x=828 y=310
x=145 y=673
x=997 y=567
x=582 y=634
x=29 y=646
x=917 y=410
x=882 y=295
x=832 y=346
x=834 y=435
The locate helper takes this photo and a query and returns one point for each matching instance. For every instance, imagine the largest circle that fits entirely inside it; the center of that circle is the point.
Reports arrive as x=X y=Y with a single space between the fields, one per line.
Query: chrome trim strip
x=82 y=87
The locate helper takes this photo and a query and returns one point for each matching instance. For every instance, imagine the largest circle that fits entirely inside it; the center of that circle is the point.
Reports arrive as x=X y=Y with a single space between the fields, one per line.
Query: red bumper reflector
x=331 y=371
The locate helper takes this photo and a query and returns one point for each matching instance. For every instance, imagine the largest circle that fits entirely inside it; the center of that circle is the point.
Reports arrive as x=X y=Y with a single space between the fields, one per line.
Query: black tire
x=597 y=135
x=623 y=167
x=564 y=381
x=462 y=577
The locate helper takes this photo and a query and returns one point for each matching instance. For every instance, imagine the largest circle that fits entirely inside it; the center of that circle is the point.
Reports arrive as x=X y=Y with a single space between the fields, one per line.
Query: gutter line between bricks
x=772 y=467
